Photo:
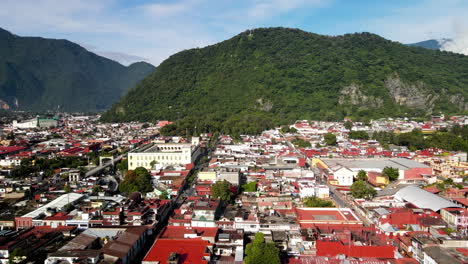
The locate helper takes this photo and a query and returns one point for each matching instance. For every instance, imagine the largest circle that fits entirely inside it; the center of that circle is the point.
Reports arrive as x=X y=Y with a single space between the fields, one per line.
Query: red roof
x=463 y=201
x=9 y=149
x=302 y=162
x=400 y=219
x=432 y=189
x=179 y=232
x=163 y=123
x=403 y=155
x=189 y=250
x=333 y=248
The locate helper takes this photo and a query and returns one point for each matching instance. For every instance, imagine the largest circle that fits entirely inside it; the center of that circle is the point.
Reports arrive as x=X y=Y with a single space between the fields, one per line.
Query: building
x=35 y=122
x=163 y=155
x=308 y=217
x=377 y=179
x=179 y=251
x=103 y=245
x=455 y=217
x=440 y=255
x=423 y=199
x=342 y=171
x=35 y=218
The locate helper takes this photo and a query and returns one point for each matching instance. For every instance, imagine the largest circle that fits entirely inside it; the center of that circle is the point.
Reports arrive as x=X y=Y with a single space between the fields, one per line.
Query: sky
x=152 y=30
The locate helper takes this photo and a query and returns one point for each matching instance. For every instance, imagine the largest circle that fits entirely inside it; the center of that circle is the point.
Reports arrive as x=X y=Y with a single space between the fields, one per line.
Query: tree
x=287 y=129
x=164 y=195
x=360 y=189
x=348 y=125
x=330 y=139
x=67 y=188
x=222 y=190
x=138 y=180
x=97 y=189
x=123 y=165
x=300 y=143
x=391 y=173
x=362 y=176
x=249 y=187
x=441 y=187
x=260 y=252
x=358 y=135
x=18 y=255
x=314 y=201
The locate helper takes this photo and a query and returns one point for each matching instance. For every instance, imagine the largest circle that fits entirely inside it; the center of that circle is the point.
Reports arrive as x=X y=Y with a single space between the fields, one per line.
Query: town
x=74 y=190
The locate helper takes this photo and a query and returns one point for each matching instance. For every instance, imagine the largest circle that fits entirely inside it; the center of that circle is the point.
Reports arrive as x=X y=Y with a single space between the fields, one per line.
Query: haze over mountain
x=433 y=44
x=120 y=57
x=44 y=74
x=269 y=76
x=457 y=45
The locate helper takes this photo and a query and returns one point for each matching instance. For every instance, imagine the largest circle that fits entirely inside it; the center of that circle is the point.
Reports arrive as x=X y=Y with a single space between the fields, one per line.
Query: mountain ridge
x=433 y=44
x=41 y=74
x=269 y=76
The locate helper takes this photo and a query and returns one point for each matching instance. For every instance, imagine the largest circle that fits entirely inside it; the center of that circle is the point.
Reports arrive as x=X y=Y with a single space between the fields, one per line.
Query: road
x=342 y=201
x=102 y=167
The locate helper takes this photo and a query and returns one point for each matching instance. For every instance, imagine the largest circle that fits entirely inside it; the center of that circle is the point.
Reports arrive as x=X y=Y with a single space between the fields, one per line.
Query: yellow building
x=207 y=176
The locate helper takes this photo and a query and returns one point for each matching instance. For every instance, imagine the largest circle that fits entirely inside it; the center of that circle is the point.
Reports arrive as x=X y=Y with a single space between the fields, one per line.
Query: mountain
x=43 y=74
x=271 y=76
x=433 y=44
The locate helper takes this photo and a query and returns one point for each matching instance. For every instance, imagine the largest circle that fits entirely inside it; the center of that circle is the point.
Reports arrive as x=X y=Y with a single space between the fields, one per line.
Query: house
x=457 y=218
x=377 y=179
x=341 y=176
x=205 y=212
x=179 y=251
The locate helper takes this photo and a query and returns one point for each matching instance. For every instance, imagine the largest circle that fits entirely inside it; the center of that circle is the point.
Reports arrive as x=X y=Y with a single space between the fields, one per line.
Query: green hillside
x=43 y=74
x=264 y=77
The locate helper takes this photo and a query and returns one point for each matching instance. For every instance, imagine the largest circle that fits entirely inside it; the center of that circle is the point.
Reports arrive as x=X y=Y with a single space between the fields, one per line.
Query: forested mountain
x=433 y=44
x=270 y=76
x=43 y=74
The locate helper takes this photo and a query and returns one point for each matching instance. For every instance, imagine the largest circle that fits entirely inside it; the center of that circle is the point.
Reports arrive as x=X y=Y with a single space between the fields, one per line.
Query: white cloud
x=459 y=43
x=263 y=9
x=159 y=10
x=418 y=21
x=157 y=29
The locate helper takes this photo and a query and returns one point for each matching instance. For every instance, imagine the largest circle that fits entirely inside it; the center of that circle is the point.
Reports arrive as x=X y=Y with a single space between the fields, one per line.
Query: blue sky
x=155 y=29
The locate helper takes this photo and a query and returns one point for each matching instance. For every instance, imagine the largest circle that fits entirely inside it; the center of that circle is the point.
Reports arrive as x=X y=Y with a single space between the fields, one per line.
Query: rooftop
x=189 y=250
x=399 y=163
x=423 y=199
x=58 y=203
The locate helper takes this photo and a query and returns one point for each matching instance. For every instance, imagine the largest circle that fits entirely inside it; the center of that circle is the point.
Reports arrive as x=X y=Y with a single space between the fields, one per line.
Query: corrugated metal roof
x=423 y=199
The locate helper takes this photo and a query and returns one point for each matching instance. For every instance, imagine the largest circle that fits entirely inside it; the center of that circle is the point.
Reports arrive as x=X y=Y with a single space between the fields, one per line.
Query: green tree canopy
x=362 y=176
x=358 y=135
x=360 y=189
x=348 y=124
x=330 y=139
x=222 y=190
x=138 y=180
x=249 y=187
x=391 y=173
x=260 y=252
x=300 y=143
x=314 y=201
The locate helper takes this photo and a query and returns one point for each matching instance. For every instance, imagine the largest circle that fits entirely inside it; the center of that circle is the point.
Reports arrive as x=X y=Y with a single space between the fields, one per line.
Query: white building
x=163 y=154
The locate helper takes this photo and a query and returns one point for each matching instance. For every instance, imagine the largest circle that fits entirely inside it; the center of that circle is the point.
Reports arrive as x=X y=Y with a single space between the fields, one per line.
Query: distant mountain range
x=45 y=74
x=272 y=76
x=433 y=44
